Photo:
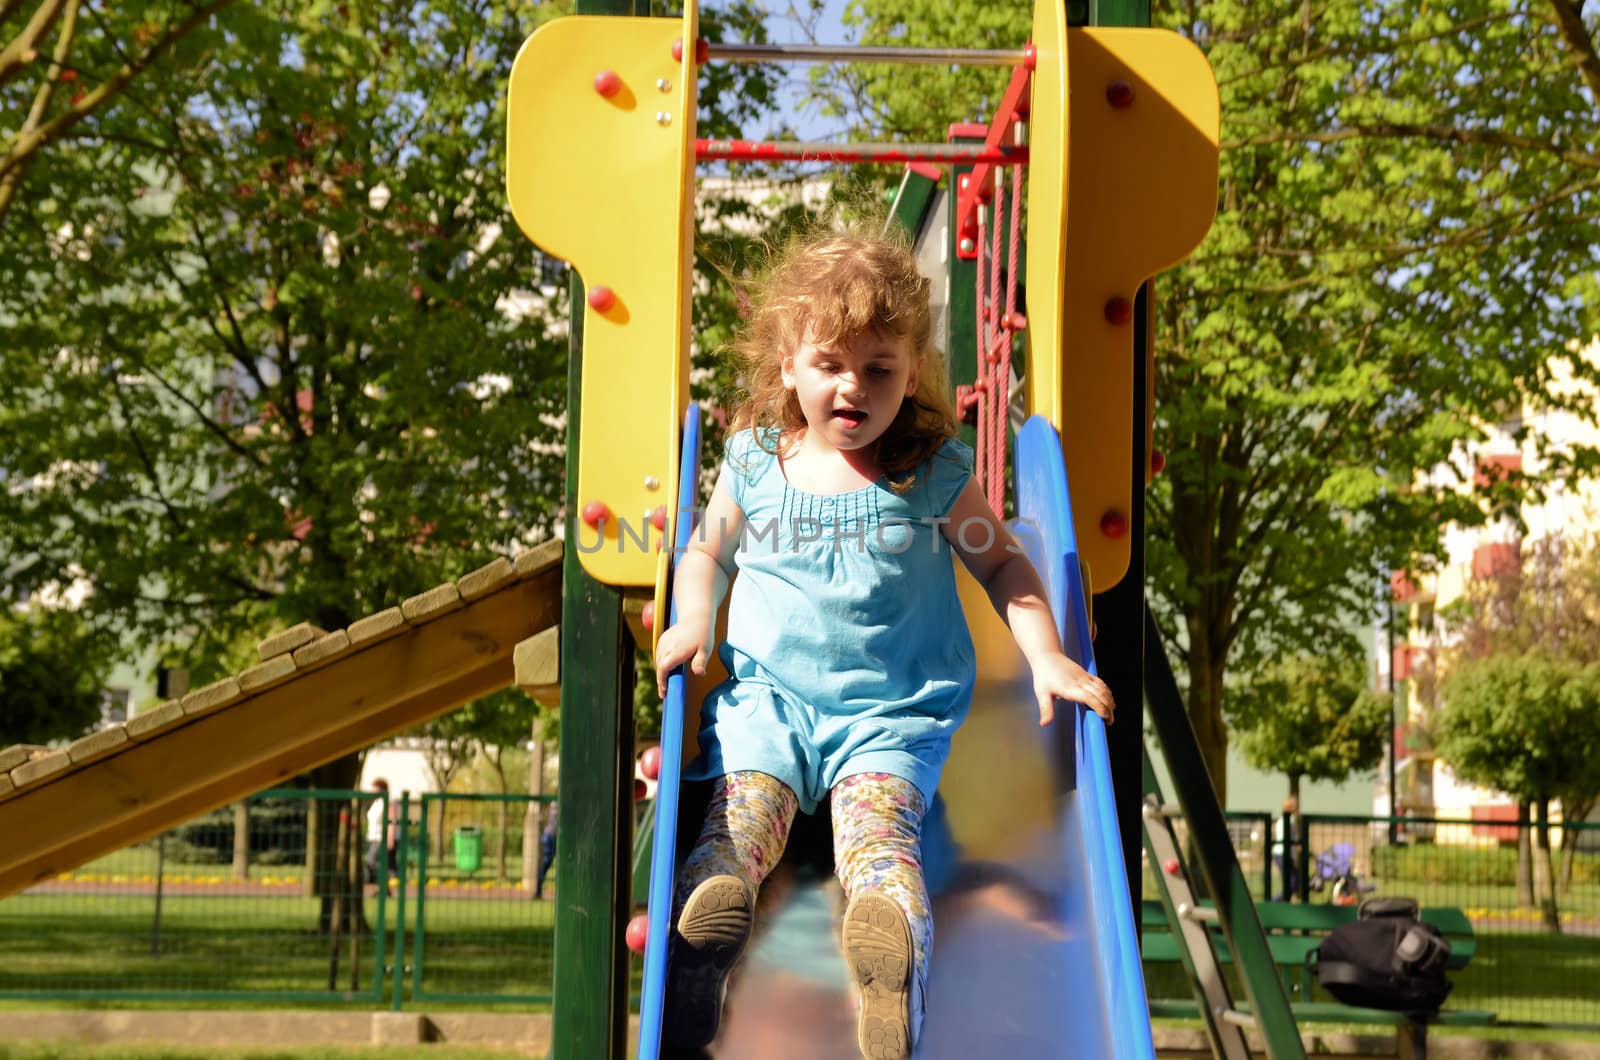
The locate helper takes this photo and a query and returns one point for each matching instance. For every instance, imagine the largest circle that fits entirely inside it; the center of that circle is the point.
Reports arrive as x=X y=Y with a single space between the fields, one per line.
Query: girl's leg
x=747 y=823
x=888 y=930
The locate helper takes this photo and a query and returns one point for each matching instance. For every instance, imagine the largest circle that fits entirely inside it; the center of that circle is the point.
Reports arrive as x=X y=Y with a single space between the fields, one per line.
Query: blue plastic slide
x=1035 y=952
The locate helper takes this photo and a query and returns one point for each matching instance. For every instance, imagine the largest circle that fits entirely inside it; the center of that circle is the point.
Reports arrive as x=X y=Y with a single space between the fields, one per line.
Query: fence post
x=402 y=852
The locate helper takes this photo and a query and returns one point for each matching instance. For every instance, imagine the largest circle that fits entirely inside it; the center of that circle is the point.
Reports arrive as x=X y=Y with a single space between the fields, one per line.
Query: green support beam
x=1219 y=867
x=594 y=846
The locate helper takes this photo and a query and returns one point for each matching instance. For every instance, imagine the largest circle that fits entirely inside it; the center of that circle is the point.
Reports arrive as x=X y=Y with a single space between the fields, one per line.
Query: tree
x=66 y=59
x=1546 y=606
x=1528 y=725
x=50 y=670
x=1406 y=220
x=275 y=350
x=1311 y=717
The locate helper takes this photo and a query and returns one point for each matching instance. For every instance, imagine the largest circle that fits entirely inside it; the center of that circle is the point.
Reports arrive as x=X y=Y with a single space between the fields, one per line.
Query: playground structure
x=601 y=158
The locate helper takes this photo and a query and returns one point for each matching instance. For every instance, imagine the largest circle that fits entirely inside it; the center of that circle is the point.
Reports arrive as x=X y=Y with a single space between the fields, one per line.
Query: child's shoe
x=711 y=934
x=877 y=947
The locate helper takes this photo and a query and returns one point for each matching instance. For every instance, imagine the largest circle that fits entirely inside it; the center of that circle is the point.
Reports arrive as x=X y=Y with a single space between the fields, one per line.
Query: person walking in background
x=382 y=836
x=1284 y=841
x=547 y=847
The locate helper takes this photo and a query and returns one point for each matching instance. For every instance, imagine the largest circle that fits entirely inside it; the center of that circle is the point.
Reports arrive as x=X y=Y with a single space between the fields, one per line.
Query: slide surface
x=1035 y=952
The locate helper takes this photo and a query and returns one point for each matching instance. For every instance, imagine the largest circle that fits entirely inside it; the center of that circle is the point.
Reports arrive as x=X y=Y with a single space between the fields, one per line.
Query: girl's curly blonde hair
x=840 y=284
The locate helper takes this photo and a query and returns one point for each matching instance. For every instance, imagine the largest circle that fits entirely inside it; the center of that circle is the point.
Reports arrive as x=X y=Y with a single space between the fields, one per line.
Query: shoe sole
x=877 y=946
x=712 y=932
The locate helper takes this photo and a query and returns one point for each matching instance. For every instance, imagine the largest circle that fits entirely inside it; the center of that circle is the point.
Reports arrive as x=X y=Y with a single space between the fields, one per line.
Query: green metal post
x=961 y=310
x=379 y=897
x=420 y=940
x=594 y=844
x=402 y=854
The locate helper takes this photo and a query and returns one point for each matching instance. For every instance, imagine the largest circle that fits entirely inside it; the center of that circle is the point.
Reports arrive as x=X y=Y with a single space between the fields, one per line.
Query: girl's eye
x=827 y=366
x=879 y=371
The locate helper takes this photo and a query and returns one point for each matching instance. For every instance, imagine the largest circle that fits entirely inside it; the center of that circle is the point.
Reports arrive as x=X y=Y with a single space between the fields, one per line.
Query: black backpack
x=1386 y=959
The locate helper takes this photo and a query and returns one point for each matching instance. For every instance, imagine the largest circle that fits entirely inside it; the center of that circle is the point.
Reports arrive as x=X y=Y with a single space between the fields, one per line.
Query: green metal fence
x=274 y=899
x=262 y=900
x=1534 y=964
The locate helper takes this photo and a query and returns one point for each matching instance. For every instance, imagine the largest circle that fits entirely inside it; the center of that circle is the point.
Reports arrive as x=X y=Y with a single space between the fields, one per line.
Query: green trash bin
x=469 y=848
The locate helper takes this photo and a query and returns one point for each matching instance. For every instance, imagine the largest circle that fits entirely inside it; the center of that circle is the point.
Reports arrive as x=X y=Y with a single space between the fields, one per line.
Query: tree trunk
x=1543 y=876
x=1524 y=855
x=1573 y=814
x=1205 y=709
x=501 y=844
x=322 y=853
x=533 y=819
x=241 y=840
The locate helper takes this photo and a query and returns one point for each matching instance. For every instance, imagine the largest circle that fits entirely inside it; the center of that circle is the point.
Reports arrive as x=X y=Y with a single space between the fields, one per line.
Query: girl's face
x=851 y=390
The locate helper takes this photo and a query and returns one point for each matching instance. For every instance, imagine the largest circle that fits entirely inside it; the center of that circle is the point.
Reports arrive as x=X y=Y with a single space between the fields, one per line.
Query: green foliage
x=51 y=669
x=1405 y=233
x=1527 y=725
x=276 y=350
x=1311 y=717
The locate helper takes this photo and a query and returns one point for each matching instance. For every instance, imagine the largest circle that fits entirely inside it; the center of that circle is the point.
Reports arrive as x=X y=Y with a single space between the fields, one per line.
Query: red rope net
x=998 y=321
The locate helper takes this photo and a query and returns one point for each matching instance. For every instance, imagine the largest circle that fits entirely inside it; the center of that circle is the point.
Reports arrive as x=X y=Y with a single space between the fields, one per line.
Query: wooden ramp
x=321 y=696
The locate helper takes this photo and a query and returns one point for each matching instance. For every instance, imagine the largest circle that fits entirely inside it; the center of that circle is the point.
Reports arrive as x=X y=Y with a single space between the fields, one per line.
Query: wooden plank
x=96 y=744
x=425 y=607
x=538 y=659
x=321 y=651
x=384 y=624
x=146 y=723
x=274 y=671
x=219 y=756
x=287 y=641
x=217 y=694
x=486 y=579
x=36 y=769
x=538 y=559
x=15 y=755
x=538 y=667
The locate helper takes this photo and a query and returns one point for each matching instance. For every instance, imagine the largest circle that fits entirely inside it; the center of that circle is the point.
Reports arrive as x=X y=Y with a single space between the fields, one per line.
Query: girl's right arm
x=699 y=583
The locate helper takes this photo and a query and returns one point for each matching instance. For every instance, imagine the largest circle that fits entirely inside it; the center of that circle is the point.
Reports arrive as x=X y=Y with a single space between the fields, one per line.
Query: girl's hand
x=1058 y=677
x=681 y=644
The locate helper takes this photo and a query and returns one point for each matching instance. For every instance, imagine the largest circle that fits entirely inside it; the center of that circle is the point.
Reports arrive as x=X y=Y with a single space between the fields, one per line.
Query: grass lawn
x=262 y=945
x=74 y=1051
x=1521 y=976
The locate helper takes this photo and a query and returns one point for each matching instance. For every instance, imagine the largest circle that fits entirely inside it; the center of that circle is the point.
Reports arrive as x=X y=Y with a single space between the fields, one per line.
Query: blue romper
x=847 y=647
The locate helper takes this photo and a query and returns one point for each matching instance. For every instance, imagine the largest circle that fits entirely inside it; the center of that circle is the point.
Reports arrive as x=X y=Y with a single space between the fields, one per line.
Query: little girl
x=842 y=495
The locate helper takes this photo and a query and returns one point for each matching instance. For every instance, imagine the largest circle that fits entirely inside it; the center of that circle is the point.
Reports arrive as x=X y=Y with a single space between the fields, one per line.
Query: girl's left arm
x=999 y=564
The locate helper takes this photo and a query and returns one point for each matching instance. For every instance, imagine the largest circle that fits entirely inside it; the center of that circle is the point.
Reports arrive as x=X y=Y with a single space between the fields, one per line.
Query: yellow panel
x=987 y=818
x=1141 y=198
x=1047 y=209
x=607 y=184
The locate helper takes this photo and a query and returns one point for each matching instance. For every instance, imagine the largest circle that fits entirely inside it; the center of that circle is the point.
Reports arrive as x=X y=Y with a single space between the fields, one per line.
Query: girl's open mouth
x=854 y=417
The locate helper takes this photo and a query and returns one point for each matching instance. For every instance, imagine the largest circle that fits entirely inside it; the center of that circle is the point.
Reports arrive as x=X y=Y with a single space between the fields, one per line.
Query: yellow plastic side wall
x=607 y=183
x=1140 y=198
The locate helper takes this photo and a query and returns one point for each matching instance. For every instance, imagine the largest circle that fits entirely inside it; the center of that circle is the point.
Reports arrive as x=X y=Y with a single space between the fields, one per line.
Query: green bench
x=1293 y=933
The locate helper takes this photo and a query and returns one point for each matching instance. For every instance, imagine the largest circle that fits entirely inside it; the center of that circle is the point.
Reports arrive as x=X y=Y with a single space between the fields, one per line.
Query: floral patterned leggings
x=877 y=844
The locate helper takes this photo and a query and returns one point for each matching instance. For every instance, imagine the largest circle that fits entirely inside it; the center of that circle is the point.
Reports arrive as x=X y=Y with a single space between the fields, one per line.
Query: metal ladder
x=1189 y=921
x=1234 y=910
